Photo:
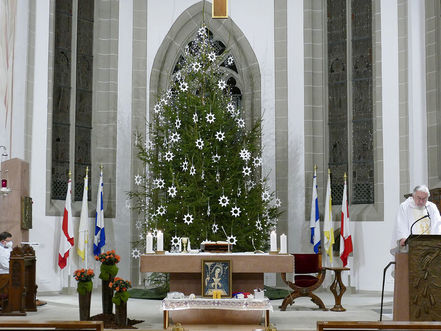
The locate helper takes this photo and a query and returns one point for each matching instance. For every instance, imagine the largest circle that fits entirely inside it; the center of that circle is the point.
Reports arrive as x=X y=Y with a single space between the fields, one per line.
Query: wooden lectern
x=417 y=293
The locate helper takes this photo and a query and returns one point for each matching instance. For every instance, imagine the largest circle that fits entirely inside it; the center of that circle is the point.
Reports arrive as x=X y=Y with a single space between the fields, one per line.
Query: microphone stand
x=411 y=227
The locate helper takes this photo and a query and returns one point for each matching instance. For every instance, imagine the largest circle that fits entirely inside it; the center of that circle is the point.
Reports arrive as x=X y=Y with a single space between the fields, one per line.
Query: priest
x=417 y=215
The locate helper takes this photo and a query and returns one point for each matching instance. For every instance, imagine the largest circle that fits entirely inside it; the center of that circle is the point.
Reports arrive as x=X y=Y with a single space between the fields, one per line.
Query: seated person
x=5 y=251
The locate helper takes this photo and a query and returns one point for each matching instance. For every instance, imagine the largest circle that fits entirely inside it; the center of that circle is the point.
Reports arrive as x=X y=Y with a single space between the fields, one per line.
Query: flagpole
x=87 y=232
x=68 y=260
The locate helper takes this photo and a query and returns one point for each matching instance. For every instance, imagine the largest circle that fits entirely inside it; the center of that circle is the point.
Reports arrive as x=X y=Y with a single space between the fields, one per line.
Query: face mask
x=8 y=244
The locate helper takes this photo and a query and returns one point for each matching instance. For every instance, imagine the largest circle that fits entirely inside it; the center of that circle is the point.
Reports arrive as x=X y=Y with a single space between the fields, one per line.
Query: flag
x=100 y=235
x=328 y=229
x=345 y=235
x=315 y=216
x=83 y=231
x=67 y=239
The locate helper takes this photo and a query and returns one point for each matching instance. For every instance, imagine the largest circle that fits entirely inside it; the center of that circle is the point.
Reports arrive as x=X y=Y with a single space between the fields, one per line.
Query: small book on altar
x=215 y=247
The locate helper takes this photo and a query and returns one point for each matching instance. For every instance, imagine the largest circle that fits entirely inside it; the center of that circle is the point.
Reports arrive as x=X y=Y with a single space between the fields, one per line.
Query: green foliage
x=107 y=271
x=120 y=286
x=204 y=178
x=119 y=297
x=84 y=287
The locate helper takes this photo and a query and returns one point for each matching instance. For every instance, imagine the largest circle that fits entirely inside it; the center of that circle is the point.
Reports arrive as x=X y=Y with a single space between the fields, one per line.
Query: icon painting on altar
x=216 y=276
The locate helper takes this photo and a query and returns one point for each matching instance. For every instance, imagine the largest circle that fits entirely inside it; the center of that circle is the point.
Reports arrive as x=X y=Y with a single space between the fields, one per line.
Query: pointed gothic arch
x=247 y=78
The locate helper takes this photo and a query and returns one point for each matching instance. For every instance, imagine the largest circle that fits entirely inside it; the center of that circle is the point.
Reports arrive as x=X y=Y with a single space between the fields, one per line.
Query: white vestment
x=5 y=252
x=408 y=213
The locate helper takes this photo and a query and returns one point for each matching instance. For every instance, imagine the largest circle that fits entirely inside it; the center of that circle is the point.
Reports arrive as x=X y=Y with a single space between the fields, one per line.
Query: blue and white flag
x=315 y=216
x=100 y=235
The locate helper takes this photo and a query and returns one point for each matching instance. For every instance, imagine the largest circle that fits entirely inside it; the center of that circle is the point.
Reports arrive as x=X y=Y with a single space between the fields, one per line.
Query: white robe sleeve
x=435 y=219
x=402 y=226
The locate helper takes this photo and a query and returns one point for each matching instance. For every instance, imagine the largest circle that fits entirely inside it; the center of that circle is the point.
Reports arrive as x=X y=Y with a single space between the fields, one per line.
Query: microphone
x=411 y=227
x=427 y=211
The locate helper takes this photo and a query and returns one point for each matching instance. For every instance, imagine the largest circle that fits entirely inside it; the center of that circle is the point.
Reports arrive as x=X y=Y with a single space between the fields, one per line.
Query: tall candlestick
x=160 y=241
x=149 y=243
x=273 y=241
x=283 y=244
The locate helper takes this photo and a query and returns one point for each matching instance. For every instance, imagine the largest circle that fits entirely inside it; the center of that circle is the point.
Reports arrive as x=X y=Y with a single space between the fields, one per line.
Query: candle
x=160 y=241
x=273 y=241
x=149 y=243
x=283 y=245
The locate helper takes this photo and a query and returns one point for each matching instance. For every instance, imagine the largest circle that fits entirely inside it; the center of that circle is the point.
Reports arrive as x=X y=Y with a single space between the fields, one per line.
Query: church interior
x=160 y=133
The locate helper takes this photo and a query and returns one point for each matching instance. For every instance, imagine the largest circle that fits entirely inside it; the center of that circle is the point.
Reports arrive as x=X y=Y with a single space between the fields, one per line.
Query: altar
x=247 y=269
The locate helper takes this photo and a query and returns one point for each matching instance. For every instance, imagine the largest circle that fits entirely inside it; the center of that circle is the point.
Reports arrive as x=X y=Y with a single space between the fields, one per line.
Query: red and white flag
x=345 y=235
x=66 y=239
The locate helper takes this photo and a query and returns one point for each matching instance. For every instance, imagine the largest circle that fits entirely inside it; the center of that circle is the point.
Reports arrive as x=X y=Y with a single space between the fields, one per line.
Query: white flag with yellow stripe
x=83 y=231
x=328 y=229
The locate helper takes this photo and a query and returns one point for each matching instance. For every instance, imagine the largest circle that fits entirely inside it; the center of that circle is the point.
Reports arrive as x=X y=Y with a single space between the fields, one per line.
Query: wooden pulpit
x=14 y=304
x=417 y=295
x=18 y=288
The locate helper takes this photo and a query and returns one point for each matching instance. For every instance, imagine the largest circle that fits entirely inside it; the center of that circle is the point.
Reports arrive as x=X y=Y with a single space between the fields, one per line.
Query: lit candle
x=160 y=241
x=283 y=245
x=273 y=241
x=149 y=243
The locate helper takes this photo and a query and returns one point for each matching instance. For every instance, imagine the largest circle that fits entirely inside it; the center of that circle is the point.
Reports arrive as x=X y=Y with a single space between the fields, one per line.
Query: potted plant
x=84 y=289
x=120 y=299
x=108 y=271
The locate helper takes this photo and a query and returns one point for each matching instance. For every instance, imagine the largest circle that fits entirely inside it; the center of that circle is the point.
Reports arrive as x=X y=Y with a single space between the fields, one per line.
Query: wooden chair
x=308 y=276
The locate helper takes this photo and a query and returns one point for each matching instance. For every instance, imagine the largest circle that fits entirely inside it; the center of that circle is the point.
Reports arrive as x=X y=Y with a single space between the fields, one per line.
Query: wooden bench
x=53 y=325
x=385 y=325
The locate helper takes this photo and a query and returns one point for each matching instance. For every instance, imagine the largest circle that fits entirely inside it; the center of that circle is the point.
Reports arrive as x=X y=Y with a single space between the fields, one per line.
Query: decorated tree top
x=204 y=178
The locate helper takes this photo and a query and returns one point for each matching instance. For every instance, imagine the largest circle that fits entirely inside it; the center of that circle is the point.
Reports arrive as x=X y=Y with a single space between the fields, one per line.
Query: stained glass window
x=350 y=115
x=62 y=137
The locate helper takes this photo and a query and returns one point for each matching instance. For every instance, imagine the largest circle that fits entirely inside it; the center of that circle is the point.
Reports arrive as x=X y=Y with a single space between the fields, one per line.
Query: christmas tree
x=203 y=175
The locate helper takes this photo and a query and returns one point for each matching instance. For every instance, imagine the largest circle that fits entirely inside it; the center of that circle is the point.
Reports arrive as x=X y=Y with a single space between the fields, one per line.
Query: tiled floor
x=303 y=315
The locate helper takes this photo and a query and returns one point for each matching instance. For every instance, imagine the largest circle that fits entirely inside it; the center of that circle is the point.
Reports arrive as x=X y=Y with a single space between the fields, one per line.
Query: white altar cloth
x=207 y=303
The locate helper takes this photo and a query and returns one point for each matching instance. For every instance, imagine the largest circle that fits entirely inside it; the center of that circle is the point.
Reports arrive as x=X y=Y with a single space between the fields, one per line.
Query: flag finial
x=87 y=171
x=345 y=176
x=329 y=171
x=70 y=174
x=315 y=167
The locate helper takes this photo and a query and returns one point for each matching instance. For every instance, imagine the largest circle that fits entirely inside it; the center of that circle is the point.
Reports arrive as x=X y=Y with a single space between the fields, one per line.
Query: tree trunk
x=84 y=301
x=107 y=294
x=121 y=314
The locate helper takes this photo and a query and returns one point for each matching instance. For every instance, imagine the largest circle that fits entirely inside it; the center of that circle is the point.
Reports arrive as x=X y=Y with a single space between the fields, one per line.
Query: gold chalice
x=184 y=244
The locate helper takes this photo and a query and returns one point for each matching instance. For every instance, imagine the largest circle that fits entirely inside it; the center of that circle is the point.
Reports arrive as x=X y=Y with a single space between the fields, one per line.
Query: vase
x=84 y=301
x=121 y=313
x=107 y=294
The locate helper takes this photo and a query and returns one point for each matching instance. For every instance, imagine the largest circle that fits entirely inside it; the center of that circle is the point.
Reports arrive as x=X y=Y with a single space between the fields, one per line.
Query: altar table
x=203 y=310
x=247 y=269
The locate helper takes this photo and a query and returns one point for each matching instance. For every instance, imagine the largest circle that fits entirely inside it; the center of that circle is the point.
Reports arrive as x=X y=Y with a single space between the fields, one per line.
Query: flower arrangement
x=108 y=267
x=84 y=278
x=120 y=286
